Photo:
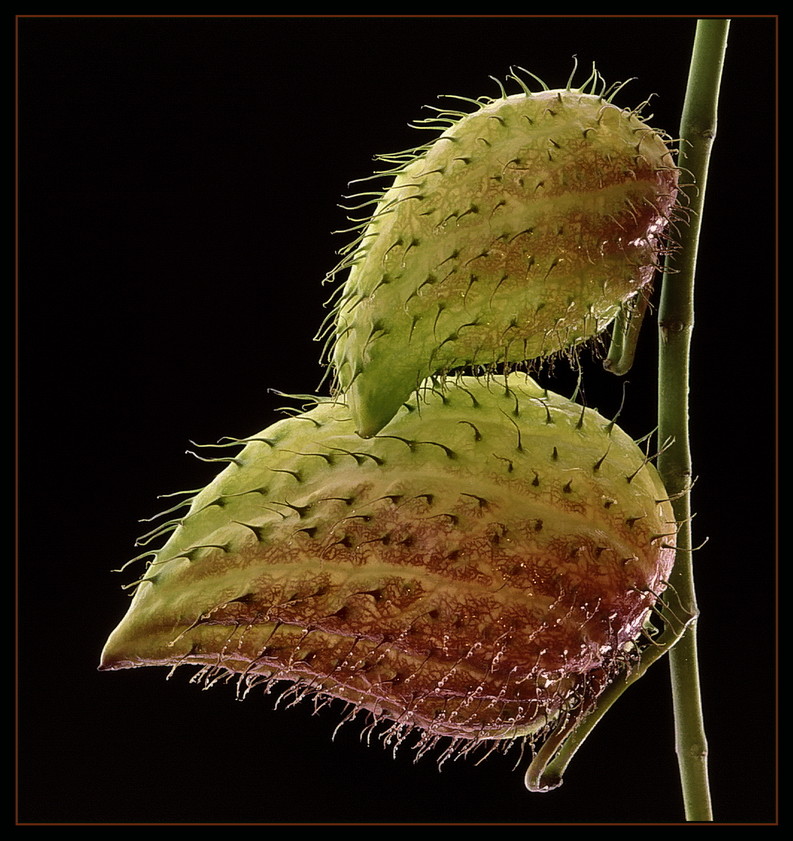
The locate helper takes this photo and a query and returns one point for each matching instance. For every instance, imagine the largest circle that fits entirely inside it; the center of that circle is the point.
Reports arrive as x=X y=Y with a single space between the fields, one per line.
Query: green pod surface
x=517 y=234
x=481 y=569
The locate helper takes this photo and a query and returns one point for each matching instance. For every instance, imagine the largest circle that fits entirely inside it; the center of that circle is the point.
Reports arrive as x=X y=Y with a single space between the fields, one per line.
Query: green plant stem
x=625 y=336
x=676 y=322
x=549 y=764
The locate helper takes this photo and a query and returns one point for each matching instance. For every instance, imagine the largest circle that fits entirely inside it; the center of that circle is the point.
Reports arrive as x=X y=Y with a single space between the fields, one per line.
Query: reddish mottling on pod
x=516 y=234
x=480 y=569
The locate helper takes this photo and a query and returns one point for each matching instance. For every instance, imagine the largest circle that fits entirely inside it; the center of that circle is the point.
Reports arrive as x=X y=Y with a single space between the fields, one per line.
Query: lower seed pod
x=481 y=570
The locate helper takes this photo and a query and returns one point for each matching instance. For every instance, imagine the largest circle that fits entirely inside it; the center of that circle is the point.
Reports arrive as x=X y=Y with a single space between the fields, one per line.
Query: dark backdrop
x=179 y=181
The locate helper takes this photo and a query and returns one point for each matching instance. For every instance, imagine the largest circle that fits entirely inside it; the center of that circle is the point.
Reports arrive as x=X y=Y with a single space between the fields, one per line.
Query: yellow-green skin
x=519 y=233
x=472 y=573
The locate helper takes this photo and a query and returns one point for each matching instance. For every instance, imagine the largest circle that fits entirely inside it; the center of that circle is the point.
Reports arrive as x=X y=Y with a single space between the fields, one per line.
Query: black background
x=179 y=181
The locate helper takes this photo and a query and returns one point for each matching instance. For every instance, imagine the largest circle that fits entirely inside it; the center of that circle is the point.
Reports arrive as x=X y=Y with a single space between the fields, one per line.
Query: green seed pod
x=482 y=569
x=517 y=234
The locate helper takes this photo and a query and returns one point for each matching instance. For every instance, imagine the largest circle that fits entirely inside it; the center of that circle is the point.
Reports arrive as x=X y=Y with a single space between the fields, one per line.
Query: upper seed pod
x=478 y=572
x=517 y=234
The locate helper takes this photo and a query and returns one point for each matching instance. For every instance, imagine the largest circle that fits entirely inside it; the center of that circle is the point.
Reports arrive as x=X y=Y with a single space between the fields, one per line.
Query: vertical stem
x=676 y=321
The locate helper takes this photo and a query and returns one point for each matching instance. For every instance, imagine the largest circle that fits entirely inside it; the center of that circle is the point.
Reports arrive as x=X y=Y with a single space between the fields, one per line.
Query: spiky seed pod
x=516 y=234
x=475 y=573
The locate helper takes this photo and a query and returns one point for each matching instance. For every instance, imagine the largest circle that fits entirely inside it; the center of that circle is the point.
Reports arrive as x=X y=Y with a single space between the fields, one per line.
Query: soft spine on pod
x=518 y=233
x=478 y=572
